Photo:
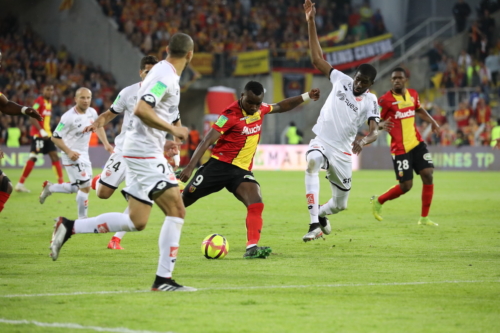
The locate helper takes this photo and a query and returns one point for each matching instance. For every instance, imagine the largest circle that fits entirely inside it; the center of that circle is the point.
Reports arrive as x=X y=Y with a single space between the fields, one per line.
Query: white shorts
x=79 y=173
x=114 y=171
x=146 y=176
x=338 y=165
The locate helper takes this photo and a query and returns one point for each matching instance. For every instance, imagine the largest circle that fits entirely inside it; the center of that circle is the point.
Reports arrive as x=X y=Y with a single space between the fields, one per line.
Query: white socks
x=108 y=222
x=82 y=201
x=170 y=235
x=312 y=195
x=120 y=234
x=63 y=188
x=314 y=161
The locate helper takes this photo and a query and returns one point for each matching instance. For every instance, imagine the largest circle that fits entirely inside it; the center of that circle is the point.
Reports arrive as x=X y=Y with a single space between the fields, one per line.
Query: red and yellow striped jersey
x=44 y=108
x=240 y=135
x=401 y=109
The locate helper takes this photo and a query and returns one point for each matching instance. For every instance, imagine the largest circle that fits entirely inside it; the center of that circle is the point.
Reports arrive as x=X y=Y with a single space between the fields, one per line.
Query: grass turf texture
x=365 y=277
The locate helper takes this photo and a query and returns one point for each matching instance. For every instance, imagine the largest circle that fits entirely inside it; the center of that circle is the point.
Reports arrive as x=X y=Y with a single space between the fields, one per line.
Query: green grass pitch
x=367 y=276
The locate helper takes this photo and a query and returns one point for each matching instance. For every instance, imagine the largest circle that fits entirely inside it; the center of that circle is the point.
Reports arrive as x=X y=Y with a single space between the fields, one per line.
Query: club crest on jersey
x=250 y=131
x=108 y=173
x=359 y=98
x=407 y=114
x=400 y=174
x=192 y=189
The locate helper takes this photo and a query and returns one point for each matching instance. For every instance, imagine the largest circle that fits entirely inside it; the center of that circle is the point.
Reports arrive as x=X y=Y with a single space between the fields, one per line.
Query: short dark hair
x=148 y=60
x=179 y=45
x=254 y=87
x=368 y=70
x=399 y=69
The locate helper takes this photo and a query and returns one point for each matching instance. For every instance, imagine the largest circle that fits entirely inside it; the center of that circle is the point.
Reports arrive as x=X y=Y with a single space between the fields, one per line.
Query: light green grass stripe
x=336 y=285
x=74 y=326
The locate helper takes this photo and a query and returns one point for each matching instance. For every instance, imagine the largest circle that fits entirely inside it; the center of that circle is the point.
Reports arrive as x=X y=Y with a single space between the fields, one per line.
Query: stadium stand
x=28 y=64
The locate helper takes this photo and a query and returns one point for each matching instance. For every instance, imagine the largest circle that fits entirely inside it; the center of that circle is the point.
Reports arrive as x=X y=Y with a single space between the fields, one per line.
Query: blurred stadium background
x=451 y=51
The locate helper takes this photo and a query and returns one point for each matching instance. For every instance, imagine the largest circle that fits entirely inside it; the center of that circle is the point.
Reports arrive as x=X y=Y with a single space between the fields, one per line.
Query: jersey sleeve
x=224 y=122
x=265 y=109
x=38 y=102
x=336 y=75
x=120 y=103
x=153 y=89
x=373 y=110
x=384 y=109
x=417 y=101
x=63 y=127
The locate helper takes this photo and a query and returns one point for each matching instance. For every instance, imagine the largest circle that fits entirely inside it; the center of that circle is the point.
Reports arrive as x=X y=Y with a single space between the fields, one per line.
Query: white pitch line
x=336 y=285
x=75 y=326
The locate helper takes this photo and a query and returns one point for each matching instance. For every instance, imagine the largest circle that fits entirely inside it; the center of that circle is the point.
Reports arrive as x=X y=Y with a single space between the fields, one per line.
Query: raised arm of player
x=316 y=52
x=101 y=121
x=358 y=145
x=14 y=109
x=149 y=117
x=101 y=134
x=292 y=102
x=209 y=139
x=427 y=117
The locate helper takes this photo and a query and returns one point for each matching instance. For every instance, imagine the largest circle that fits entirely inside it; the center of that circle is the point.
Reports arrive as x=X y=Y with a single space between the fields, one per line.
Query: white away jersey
x=161 y=91
x=70 y=130
x=125 y=103
x=343 y=113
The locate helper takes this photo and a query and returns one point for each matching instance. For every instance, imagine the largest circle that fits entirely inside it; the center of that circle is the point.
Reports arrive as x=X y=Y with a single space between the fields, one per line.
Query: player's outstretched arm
x=14 y=109
x=358 y=145
x=316 y=53
x=292 y=102
x=208 y=140
x=427 y=117
x=149 y=117
x=101 y=121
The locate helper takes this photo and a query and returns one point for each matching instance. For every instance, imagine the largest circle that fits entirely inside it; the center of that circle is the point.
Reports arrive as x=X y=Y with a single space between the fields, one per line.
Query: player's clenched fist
x=314 y=94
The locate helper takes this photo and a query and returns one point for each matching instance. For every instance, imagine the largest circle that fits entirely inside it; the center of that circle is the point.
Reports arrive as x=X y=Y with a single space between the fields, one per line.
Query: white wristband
x=43 y=133
x=23 y=110
x=177 y=160
x=305 y=96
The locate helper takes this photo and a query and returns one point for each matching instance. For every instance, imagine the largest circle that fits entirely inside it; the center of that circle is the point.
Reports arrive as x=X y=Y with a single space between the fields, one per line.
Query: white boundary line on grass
x=74 y=326
x=335 y=285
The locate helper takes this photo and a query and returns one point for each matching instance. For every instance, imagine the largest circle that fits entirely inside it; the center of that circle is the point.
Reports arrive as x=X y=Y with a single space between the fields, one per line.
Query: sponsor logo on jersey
x=407 y=114
x=342 y=97
x=249 y=131
x=310 y=199
x=395 y=103
x=173 y=251
x=221 y=121
x=102 y=228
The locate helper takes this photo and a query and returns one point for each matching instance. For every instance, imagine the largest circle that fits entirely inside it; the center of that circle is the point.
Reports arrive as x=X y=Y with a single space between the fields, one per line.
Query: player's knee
x=103 y=192
x=406 y=186
x=5 y=184
x=314 y=161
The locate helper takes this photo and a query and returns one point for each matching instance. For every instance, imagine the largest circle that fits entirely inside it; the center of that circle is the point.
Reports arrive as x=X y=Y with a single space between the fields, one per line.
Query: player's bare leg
x=170 y=202
x=427 y=193
x=249 y=194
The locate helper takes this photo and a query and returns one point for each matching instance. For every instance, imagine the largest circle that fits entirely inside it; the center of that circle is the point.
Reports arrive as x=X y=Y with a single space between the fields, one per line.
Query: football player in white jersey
x=74 y=145
x=149 y=176
x=348 y=106
x=115 y=168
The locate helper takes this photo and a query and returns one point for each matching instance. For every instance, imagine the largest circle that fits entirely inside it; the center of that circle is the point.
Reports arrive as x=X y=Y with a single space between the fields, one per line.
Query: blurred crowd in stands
x=219 y=26
x=28 y=64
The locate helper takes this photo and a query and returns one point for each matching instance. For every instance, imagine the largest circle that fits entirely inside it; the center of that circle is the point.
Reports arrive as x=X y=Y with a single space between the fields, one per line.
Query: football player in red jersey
x=237 y=133
x=11 y=108
x=409 y=151
x=41 y=133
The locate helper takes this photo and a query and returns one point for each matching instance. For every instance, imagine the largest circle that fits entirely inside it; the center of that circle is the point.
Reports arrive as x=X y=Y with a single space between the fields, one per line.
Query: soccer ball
x=214 y=246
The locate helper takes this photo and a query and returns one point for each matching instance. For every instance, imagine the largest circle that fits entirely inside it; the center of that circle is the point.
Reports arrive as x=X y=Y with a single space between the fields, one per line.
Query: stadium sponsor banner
x=444 y=158
x=251 y=63
x=286 y=85
x=285 y=157
x=203 y=63
x=353 y=55
x=17 y=157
